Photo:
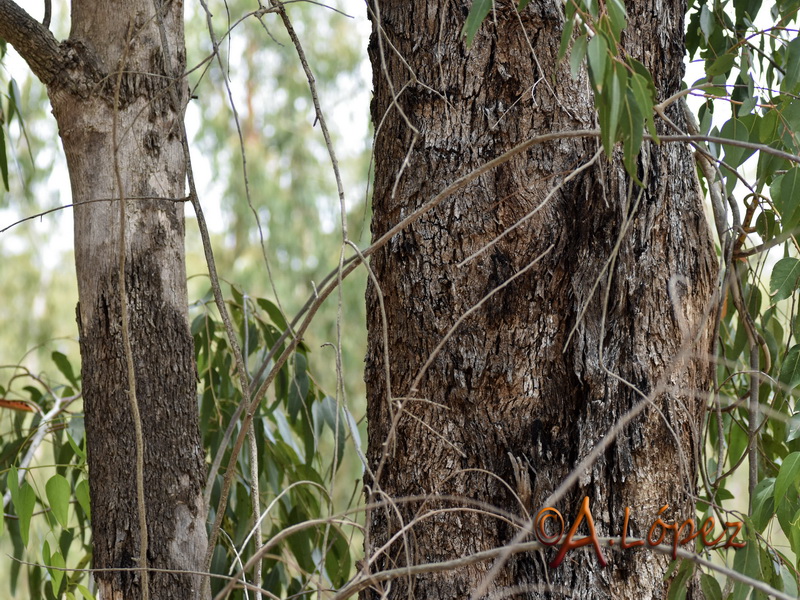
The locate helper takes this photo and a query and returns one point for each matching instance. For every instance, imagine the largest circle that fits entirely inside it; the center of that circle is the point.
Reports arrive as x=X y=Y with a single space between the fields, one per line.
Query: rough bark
x=115 y=61
x=509 y=383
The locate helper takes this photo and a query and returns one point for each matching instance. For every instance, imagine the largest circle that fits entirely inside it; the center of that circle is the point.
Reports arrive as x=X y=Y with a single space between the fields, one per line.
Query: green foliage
x=477 y=13
x=42 y=468
x=301 y=435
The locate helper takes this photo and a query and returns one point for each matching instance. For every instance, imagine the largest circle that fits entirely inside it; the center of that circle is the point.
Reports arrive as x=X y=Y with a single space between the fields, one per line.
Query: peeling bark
x=511 y=382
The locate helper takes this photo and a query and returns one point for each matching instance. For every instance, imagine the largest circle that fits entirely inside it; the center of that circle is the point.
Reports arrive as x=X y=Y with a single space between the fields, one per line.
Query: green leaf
x=788 y=580
x=82 y=494
x=790 y=369
x=566 y=36
x=786 y=511
x=679 y=586
x=794 y=428
x=75 y=433
x=791 y=66
x=329 y=413
x=794 y=536
x=87 y=595
x=301 y=542
x=709 y=584
x=721 y=65
x=746 y=561
x=477 y=13
x=24 y=508
x=12 y=482
x=337 y=559
x=63 y=365
x=610 y=107
x=3 y=158
x=644 y=99
x=598 y=60
x=785 y=278
x=788 y=477
x=632 y=127
x=58 y=495
x=707 y=22
x=577 y=56
x=274 y=313
x=746 y=10
x=618 y=17
x=785 y=192
x=763 y=503
x=738 y=130
x=56 y=575
x=522 y=4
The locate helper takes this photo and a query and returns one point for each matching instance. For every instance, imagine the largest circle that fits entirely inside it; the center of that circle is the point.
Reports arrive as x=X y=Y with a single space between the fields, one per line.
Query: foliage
x=301 y=433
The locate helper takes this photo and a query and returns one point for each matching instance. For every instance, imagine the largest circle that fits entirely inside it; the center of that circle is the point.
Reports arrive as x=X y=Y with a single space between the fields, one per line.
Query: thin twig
x=126 y=341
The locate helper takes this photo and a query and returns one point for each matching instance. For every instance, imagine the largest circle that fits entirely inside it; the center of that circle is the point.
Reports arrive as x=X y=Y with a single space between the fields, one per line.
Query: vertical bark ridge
x=507 y=384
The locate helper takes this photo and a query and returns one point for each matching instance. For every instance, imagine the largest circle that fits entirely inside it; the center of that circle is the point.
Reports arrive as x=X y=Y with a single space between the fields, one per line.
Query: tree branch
x=31 y=39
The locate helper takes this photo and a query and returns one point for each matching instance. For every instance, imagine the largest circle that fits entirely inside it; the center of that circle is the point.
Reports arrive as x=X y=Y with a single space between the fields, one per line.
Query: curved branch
x=31 y=39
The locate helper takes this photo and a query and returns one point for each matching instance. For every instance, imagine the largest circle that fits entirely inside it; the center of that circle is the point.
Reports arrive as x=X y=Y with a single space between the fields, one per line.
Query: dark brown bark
x=115 y=71
x=510 y=382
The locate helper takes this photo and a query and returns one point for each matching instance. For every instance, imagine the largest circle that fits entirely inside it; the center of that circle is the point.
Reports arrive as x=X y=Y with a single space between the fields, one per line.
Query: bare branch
x=31 y=39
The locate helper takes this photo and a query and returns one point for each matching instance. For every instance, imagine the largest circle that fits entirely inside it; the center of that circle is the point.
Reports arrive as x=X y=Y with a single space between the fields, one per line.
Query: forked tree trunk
x=511 y=385
x=117 y=55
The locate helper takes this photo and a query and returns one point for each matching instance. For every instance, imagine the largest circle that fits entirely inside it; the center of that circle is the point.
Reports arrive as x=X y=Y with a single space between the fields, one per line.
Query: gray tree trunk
x=511 y=386
x=117 y=55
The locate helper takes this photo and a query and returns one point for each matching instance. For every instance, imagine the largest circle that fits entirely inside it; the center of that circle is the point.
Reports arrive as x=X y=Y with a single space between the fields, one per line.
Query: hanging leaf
x=597 y=53
x=577 y=56
x=785 y=278
x=618 y=17
x=785 y=192
x=788 y=477
x=644 y=101
x=64 y=366
x=747 y=562
x=58 y=493
x=763 y=503
x=792 y=66
x=632 y=127
x=566 y=36
x=82 y=494
x=24 y=507
x=3 y=159
x=477 y=13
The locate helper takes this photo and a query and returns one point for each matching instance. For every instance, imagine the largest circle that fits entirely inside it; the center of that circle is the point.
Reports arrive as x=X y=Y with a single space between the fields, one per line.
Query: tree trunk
x=117 y=55
x=512 y=386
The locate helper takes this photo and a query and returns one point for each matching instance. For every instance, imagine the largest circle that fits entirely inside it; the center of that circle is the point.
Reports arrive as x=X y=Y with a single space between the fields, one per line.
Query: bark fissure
x=512 y=381
x=82 y=75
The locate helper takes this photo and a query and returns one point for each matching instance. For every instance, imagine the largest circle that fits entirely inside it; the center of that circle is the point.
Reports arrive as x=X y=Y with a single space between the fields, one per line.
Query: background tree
x=118 y=95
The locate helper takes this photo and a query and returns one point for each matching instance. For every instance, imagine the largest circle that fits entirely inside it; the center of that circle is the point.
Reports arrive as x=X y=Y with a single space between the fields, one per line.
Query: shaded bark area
x=116 y=68
x=511 y=386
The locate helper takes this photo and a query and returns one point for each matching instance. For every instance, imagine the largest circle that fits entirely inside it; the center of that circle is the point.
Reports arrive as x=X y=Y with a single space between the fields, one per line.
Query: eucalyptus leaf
x=785 y=278
x=788 y=477
x=59 y=493
x=477 y=13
